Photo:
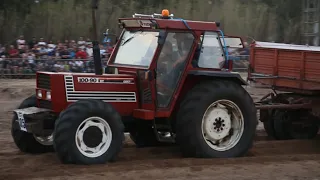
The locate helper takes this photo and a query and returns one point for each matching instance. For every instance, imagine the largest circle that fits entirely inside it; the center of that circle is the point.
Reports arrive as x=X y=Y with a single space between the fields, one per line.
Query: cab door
x=170 y=65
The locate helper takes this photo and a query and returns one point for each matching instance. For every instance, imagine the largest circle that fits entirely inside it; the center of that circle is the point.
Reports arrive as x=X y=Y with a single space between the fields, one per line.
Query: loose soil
x=268 y=159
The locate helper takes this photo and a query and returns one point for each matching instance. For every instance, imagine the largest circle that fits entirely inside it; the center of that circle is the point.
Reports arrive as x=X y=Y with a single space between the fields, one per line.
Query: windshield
x=137 y=48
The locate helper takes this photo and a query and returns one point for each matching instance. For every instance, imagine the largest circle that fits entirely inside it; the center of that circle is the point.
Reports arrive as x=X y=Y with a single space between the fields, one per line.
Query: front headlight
x=48 y=95
x=39 y=93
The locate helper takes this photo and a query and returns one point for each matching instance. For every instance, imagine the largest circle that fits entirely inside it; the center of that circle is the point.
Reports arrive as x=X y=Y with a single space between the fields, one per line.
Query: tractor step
x=164 y=133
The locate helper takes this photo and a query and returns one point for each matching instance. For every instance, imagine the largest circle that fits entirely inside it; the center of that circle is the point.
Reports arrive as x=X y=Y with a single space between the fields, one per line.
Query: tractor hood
x=118 y=89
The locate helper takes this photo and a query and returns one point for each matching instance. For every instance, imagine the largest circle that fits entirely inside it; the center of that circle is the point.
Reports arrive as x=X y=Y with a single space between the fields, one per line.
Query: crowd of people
x=25 y=57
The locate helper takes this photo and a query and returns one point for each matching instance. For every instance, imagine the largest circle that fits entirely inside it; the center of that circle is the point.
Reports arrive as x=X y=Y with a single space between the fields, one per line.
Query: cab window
x=211 y=54
x=170 y=65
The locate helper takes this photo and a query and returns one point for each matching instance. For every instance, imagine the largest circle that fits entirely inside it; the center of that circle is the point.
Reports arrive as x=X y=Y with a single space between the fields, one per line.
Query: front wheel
x=216 y=119
x=28 y=142
x=88 y=132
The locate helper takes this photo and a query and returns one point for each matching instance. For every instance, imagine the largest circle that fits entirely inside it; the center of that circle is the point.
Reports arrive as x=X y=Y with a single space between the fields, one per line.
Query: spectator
x=51 y=45
x=35 y=50
x=58 y=66
x=26 y=56
x=81 y=54
x=21 y=42
x=81 y=43
x=3 y=52
x=73 y=52
x=51 y=50
x=88 y=41
x=64 y=53
x=31 y=59
x=13 y=52
x=32 y=42
x=43 y=51
x=102 y=51
x=66 y=66
x=42 y=42
x=66 y=43
x=79 y=66
x=89 y=50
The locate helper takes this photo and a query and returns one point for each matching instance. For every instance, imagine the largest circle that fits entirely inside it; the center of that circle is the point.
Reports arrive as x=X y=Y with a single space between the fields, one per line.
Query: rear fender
x=231 y=76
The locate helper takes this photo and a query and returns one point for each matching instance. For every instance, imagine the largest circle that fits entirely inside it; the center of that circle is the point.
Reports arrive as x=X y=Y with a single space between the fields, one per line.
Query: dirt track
x=266 y=160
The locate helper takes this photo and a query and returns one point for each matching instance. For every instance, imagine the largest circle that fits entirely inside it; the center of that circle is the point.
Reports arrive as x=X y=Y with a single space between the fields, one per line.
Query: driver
x=184 y=44
x=167 y=57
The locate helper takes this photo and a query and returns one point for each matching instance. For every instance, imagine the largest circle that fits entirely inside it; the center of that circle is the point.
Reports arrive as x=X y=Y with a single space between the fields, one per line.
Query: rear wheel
x=88 y=132
x=28 y=142
x=298 y=124
x=216 y=119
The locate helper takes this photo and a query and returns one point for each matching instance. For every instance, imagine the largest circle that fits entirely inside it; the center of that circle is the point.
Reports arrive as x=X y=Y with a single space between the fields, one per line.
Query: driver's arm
x=181 y=59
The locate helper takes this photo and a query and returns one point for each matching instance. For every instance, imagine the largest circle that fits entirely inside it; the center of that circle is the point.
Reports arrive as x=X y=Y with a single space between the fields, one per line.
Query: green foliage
x=58 y=19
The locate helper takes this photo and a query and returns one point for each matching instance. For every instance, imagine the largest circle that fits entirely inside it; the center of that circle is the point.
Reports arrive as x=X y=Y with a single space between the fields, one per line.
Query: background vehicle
x=292 y=71
x=169 y=81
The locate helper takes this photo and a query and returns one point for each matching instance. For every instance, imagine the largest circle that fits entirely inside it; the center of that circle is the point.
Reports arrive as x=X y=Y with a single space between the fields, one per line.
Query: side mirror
x=161 y=37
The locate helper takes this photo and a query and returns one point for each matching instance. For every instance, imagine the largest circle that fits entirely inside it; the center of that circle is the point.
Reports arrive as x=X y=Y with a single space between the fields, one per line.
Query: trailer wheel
x=267 y=119
x=216 y=119
x=27 y=142
x=88 y=132
x=299 y=124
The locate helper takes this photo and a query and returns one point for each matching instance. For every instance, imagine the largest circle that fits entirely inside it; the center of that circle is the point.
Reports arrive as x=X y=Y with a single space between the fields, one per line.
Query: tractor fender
x=232 y=76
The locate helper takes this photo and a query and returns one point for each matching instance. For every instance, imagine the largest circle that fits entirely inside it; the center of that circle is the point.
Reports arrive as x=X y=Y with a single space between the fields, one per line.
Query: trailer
x=292 y=110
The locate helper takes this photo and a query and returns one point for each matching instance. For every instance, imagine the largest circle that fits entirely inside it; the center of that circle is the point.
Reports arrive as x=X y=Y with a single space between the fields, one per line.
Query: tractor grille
x=45 y=104
x=43 y=81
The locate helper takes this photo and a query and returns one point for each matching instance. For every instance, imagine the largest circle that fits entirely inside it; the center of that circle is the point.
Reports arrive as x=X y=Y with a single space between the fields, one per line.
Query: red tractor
x=168 y=81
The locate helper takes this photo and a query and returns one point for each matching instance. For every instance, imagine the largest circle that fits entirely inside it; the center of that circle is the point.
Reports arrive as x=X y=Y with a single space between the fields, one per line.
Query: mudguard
x=233 y=76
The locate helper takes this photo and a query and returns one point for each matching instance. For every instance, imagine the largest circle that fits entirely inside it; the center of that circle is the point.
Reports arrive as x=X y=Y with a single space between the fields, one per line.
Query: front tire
x=217 y=119
x=27 y=142
x=88 y=132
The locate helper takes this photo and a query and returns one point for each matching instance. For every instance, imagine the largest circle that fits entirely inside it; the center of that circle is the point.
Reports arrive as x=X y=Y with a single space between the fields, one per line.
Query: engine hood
x=112 y=88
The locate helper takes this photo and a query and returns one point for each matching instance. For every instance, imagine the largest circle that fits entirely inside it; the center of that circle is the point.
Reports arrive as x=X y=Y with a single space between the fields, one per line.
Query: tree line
x=269 y=20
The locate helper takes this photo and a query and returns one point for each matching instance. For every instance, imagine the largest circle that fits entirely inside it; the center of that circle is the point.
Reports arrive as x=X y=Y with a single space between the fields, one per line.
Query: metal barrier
x=18 y=68
x=24 y=68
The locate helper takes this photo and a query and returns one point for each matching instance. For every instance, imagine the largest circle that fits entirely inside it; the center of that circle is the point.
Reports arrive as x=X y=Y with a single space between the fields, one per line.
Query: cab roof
x=158 y=21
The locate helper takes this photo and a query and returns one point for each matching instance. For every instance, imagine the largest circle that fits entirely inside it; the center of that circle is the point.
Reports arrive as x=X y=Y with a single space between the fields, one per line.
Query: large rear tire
x=217 y=119
x=88 y=132
x=27 y=142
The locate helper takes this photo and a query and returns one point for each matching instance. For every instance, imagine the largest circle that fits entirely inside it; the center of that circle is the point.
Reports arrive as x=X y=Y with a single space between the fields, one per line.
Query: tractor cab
x=167 y=81
x=163 y=50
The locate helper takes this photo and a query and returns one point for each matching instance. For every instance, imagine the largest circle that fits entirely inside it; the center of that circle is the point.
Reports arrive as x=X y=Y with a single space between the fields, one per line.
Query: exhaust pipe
x=95 y=42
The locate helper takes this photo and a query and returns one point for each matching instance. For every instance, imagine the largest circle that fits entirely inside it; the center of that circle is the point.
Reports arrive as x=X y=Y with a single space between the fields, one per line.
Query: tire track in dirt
x=288 y=159
x=47 y=165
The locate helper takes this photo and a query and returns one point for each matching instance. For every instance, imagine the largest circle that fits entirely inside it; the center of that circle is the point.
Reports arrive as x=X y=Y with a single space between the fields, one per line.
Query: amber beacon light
x=165 y=13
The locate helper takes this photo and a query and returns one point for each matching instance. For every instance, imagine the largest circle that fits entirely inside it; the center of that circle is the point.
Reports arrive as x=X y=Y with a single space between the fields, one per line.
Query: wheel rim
x=222 y=125
x=44 y=140
x=89 y=141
